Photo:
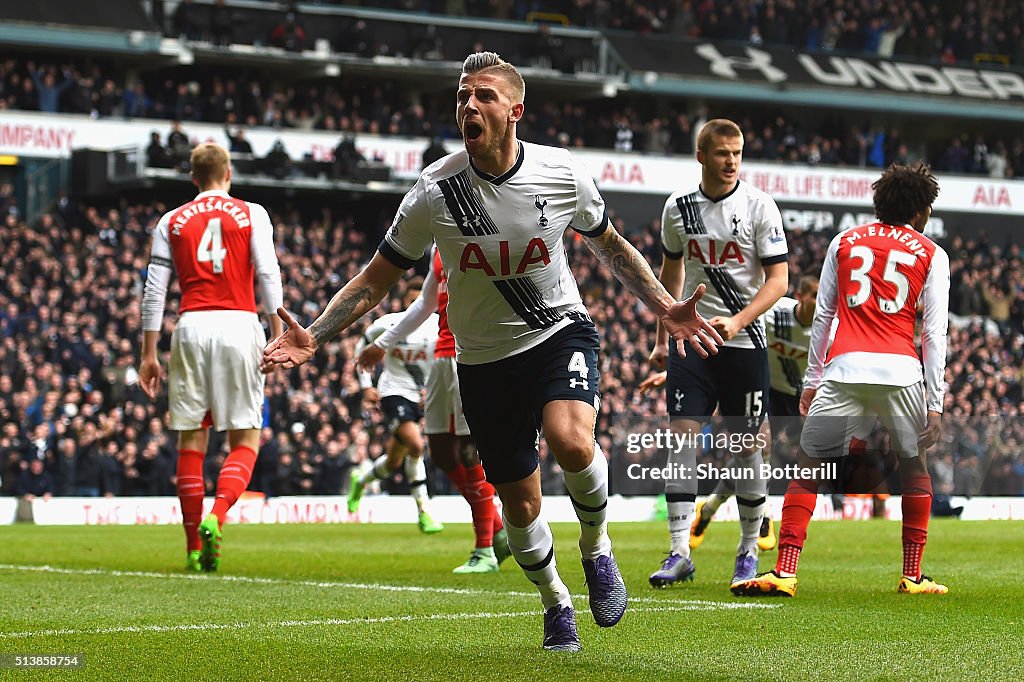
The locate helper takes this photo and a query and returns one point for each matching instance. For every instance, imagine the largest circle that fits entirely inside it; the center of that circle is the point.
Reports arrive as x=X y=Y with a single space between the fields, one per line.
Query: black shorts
x=783 y=405
x=784 y=414
x=735 y=382
x=504 y=400
x=398 y=410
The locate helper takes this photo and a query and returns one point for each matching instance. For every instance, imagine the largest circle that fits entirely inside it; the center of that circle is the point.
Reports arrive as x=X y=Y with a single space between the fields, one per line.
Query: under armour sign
x=757 y=60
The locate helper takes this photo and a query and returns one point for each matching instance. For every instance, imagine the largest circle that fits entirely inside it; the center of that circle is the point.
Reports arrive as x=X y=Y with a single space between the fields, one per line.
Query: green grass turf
x=847 y=622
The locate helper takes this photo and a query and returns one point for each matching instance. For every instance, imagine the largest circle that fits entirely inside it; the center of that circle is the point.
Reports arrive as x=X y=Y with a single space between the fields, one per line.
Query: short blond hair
x=717 y=127
x=491 y=61
x=210 y=163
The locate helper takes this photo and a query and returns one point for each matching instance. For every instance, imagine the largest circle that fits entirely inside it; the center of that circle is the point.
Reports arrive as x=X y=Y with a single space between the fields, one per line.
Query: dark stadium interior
x=74 y=266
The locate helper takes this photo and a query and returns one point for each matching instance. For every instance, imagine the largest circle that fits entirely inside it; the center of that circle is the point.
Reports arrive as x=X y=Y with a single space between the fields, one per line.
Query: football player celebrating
x=527 y=351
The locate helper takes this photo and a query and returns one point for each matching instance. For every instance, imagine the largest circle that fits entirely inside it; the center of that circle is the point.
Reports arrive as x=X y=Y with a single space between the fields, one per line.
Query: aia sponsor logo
x=715 y=254
x=475 y=258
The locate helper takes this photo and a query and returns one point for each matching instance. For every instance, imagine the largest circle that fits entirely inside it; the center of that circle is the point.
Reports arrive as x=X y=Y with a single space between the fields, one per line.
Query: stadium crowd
x=70 y=335
x=948 y=31
x=240 y=99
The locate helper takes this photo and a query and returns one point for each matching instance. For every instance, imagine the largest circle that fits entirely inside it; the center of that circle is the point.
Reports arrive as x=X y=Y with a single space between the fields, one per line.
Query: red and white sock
x=190 y=495
x=917 y=506
x=233 y=480
x=480 y=495
x=797 y=510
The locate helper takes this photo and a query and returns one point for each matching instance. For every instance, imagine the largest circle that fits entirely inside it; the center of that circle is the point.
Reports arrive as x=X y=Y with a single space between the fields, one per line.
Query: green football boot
x=355 y=491
x=194 y=562
x=209 y=533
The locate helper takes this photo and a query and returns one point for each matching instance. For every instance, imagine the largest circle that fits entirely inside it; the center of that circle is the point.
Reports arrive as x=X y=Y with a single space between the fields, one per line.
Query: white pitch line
x=245 y=626
x=703 y=604
x=201 y=627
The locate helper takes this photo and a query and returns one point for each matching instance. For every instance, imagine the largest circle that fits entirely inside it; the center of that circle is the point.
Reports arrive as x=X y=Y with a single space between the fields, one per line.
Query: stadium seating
x=69 y=327
x=69 y=336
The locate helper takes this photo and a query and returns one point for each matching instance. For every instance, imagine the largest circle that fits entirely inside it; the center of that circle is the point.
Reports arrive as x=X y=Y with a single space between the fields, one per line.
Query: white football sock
x=416 y=474
x=588 y=490
x=534 y=551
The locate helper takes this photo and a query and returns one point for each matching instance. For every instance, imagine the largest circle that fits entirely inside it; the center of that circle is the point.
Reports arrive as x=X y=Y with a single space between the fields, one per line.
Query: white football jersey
x=788 y=341
x=500 y=238
x=725 y=244
x=407 y=363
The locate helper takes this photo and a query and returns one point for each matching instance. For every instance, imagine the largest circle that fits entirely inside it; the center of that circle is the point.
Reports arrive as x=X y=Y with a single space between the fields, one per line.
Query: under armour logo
x=679 y=400
x=579 y=383
x=471 y=222
x=736 y=224
x=757 y=60
x=540 y=203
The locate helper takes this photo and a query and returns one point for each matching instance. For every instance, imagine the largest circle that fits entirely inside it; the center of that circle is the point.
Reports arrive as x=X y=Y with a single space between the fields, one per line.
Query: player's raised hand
x=686 y=325
x=149 y=376
x=652 y=382
x=291 y=349
x=370 y=357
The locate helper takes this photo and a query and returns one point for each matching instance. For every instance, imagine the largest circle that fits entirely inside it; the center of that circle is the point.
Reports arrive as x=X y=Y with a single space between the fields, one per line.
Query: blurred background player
x=872 y=281
x=728 y=236
x=451 y=447
x=216 y=244
x=788 y=329
x=399 y=392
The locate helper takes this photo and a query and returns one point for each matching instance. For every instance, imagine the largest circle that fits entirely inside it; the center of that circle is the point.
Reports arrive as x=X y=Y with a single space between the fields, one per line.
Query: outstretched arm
x=360 y=295
x=681 y=319
x=632 y=269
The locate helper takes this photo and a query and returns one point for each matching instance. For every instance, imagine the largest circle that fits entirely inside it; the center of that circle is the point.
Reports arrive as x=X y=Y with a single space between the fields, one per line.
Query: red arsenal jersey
x=881 y=270
x=210 y=245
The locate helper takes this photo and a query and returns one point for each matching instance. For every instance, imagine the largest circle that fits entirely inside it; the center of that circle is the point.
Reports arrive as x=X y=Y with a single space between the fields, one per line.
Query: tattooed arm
x=361 y=294
x=632 y=269
x=681 y=319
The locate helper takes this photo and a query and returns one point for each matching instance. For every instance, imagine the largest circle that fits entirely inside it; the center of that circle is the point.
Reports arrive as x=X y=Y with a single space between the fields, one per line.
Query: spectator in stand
x=346 y=157
x=237 y=142
x=137 y=103
x=187 y=23
x=433 y=153
x=48 y=88
x=289 y=34
x=178 y=144
x=35 y=482
x=156 y=154
x=277 y=163
x=222 y=23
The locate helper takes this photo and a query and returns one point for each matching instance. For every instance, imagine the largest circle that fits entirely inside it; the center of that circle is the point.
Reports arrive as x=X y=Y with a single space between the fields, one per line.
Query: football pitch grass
x=362 y=602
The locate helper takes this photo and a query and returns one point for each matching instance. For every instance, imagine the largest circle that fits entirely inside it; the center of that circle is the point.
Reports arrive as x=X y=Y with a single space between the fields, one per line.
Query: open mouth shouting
x=472 y=132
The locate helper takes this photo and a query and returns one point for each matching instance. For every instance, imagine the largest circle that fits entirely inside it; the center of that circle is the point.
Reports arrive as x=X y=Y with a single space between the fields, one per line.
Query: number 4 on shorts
x=578 y=365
